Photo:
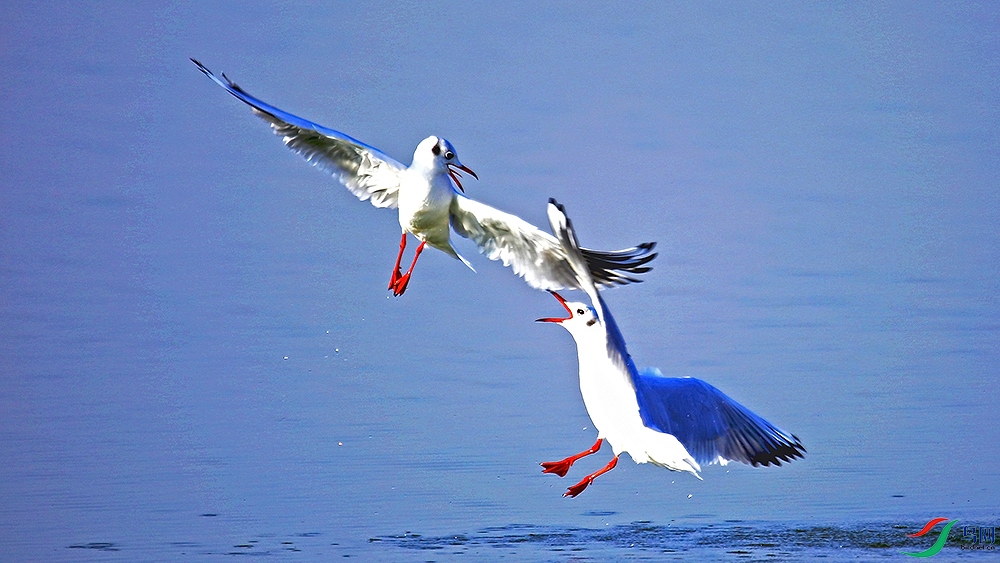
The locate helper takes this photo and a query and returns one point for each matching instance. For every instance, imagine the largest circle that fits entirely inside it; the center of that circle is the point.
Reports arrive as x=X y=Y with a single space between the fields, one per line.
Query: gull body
x=674 y=422
x=430 y=207
x=426 y=195
x=610 y=397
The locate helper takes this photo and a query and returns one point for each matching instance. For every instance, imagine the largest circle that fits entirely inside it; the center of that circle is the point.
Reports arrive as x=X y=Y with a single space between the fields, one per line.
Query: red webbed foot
x=400 y=286
x=402 y=280
x=579 y=487
x=560 y=468
x=394 y=279
x=586 y=481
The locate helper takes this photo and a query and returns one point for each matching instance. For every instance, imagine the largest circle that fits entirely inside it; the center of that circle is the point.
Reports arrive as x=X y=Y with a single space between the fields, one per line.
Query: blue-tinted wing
x=710 y=424
x=369 y=173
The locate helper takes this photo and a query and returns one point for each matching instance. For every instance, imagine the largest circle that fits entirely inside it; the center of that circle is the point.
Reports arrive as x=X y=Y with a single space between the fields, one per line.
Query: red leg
x=579 y=487
x=403 y=280
x=396 y=274
x=561 y=467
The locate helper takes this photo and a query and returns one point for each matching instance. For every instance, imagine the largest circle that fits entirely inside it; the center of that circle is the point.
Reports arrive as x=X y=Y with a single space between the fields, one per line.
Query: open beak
x=556 y=319
x=455 y=175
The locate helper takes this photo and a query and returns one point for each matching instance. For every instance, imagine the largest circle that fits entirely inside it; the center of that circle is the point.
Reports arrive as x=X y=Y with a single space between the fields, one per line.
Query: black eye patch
x=591 y=322
x=436 y=149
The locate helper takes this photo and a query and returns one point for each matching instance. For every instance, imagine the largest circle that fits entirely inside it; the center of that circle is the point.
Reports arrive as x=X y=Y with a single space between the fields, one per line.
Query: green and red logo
x=974 y=538
x=939 y=544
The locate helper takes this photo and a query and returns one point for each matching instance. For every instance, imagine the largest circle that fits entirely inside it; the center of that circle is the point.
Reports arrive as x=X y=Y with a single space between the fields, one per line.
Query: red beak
x=556 y=319
x=455 y=175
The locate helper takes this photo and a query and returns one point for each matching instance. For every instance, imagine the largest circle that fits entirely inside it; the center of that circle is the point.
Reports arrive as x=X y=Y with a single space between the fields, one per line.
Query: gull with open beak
x=673 y=422
x=430 y=207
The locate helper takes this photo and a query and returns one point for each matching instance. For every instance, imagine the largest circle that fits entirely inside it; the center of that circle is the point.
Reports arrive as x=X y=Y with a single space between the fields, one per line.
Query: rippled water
x=636 y=541
x=198 y=357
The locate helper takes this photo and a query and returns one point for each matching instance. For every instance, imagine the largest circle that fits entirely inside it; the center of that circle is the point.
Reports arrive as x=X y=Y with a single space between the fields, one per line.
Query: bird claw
x=560 y=468
x=578 y=488
x=400 y=286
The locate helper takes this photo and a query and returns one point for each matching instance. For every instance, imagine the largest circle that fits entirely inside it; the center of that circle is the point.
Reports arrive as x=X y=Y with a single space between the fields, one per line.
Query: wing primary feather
x=718 y=427
x=599 y=264
x=242 y=95
x=366 y=171
x=540 y=258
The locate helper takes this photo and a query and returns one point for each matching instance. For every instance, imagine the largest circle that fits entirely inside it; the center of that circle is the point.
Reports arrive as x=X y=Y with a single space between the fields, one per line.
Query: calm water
x=198 y=356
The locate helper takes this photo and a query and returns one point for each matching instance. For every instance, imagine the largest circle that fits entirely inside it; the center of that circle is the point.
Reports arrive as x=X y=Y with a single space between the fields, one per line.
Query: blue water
x=198 y=356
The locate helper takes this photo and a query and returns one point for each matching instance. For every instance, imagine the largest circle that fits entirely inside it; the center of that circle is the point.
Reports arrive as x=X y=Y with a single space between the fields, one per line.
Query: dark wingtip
x=785 y=453
x=798 y=443
x=647 y=258
x=200 y=66
x=209 y=73
x=608 y=268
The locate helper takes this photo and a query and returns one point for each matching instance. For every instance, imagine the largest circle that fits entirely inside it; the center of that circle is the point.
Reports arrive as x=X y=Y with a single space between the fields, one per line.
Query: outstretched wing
x=710 y=425
x=536 y=255
x=368 y=172
x=562 y=227
x=607 y=268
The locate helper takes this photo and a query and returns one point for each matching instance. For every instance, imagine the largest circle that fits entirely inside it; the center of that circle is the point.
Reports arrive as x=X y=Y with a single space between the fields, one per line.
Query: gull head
x=582 y=317
x=438 y=155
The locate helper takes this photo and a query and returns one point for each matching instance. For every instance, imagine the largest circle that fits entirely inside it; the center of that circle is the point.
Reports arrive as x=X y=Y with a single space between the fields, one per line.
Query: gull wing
x=369 y=173
x=536 y=255
x=710 y=425
x=576 y=257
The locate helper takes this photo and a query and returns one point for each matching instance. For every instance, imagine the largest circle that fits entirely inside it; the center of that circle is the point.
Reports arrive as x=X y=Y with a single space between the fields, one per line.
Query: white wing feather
x=366 y=171
x=369 y=175
x=532 y=253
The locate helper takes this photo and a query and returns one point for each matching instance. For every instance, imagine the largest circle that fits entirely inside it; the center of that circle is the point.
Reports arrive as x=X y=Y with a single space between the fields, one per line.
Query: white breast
x=425 y=207
x=610 y=400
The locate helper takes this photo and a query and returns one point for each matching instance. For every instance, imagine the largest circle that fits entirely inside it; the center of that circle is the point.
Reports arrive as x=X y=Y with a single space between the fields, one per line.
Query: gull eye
x=449 y=155
x=436 y=149
x=579 y=311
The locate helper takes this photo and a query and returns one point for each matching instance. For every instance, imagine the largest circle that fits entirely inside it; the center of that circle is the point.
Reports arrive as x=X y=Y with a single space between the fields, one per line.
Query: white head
x=582 y=318
x=437 y=155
